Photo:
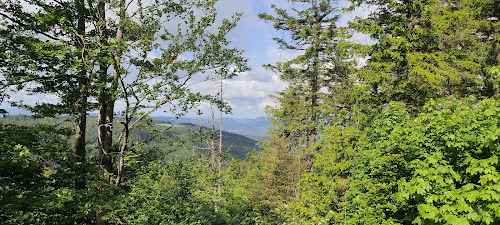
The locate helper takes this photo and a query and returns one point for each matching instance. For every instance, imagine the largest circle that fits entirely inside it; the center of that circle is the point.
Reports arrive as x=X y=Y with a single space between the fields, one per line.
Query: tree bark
x=81 y=105
x=107 y=116
x=105 y=122
x=121 y=164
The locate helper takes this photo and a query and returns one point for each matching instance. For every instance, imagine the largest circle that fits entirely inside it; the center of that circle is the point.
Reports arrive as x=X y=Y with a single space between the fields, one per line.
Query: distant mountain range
x=253 y=128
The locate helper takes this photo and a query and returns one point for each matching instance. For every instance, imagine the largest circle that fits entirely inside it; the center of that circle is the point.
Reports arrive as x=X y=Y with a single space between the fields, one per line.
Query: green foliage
x=36 y=186
x=344 y=187
x=349 y=145
x=454 y=175
x=167 y=193
x=439 y=167
x=429 y=49
x=320 y=83
x=324 y=66
x=173 y=166
x=41 y=48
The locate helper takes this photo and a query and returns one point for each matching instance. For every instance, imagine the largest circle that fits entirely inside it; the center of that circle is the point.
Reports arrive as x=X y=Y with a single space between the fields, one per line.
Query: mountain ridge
x=254 y=128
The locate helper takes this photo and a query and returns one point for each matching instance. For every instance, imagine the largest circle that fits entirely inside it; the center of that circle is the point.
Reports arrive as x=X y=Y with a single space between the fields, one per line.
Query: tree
x=148 y=83
x=96 y=54
x=428 y=49
x=45 y=52
x=166 y=79
x=324 y=64
x=439 y=166
x=37 y=183
x=453 y=163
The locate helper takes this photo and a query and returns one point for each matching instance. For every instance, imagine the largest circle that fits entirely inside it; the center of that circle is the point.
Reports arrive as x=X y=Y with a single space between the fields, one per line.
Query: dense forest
x=401 y=130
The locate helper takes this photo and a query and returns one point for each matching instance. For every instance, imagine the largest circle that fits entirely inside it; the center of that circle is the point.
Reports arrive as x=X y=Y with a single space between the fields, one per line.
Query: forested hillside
x=181 y=141
x=253 y=128
x=401 y=129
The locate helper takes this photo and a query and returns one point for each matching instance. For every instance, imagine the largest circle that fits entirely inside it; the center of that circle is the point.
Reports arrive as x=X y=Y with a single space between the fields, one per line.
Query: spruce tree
x=324 y=64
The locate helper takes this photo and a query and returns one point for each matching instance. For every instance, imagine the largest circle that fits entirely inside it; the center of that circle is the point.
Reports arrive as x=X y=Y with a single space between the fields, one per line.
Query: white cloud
x=31 y=99
x=267 y=102
x=362 y=12
x=249 y=92
x=275 y=54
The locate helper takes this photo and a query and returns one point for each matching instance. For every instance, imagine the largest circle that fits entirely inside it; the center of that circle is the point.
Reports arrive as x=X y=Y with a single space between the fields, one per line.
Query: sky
x=248 y=93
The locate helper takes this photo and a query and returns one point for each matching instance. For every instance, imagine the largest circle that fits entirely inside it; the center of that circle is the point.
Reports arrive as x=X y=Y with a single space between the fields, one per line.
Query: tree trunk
x=81 y=105
x=212 y=149
x=314 y=90
x=219 y=189
x=80 y=146
x=107 y=110
x=105 y=123
x=121 y=164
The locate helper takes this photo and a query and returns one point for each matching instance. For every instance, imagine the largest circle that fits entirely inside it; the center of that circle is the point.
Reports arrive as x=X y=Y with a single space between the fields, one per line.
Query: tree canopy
x=401 y=130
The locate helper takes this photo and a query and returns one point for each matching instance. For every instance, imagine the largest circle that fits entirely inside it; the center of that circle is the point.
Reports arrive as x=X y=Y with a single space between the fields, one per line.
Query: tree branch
x=37 y=31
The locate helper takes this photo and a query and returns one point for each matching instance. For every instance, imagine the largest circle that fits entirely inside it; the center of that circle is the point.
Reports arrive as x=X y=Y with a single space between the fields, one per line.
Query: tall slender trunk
x=81 y=105
x=213 y=153
x=121 y=163
x=80 y=146
x=105 y=143
x=125 y=135
x=212 y=143
x=219 y=189
x=314 y=88
x=105 y=122
x=299 y=170
x=109 y=106
x=214 y=165
x=315 y=76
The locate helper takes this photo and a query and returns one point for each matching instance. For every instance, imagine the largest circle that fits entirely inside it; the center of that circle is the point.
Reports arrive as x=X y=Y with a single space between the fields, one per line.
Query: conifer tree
x=429 y=49
x=323 y=63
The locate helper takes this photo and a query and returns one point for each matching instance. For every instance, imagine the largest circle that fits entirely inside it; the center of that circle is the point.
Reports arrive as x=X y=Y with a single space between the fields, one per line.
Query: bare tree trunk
x=212 y=147
x=213 y=153
x=219 y=189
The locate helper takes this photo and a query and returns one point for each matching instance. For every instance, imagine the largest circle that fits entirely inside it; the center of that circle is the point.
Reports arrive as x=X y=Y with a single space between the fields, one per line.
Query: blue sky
x=248 y=93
